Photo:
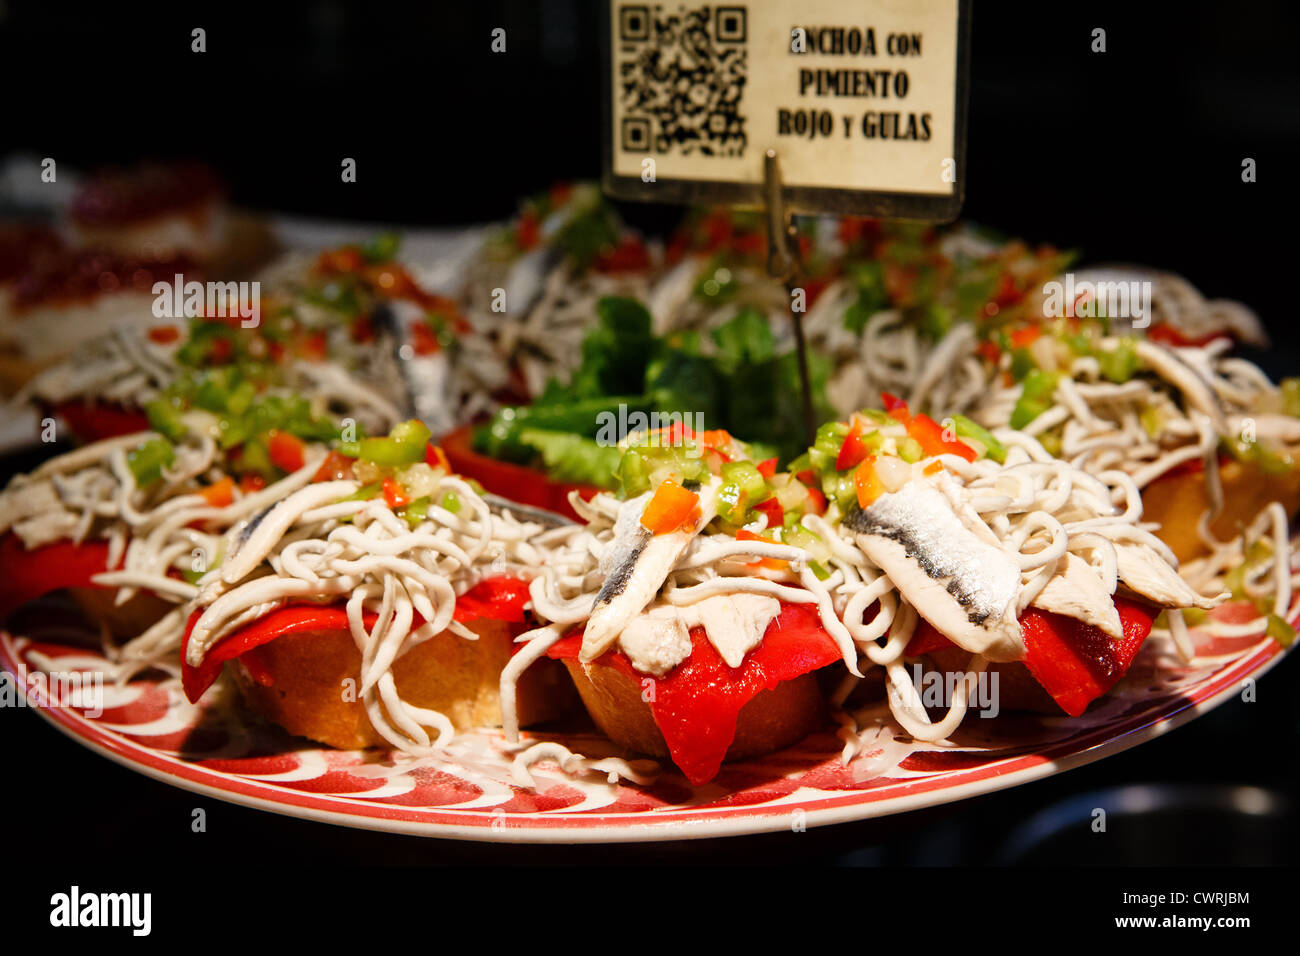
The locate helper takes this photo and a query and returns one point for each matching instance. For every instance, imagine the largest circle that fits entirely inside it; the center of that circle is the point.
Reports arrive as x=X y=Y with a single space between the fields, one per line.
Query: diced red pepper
x=630 y=255
x=896 y=407
x=1007 y=293
x=671 y=507
x=773 y=564
x=867 y=483
x=251 y=482
x=529 y=230
x=314 y=347
x=989 y=352
x=775 y=513
x=435 y=457
x=854 y=448
x=164 y=334
x=424 y=340
x=1024 y=337
x=220 y=494
x=345 y=260
x=336 y=467
x=286 y=451
x=929 y=434
x=767 y=468
x=395 y=494
x=818 y=504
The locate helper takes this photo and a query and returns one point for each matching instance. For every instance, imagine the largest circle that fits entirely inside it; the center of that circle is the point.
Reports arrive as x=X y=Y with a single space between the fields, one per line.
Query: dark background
x=1132 y=155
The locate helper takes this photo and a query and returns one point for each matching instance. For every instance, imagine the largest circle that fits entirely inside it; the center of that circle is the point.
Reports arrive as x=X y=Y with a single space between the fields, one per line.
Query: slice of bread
x=308 y=683
x=1016 y=687
x=1177 y=503
x=124 y=621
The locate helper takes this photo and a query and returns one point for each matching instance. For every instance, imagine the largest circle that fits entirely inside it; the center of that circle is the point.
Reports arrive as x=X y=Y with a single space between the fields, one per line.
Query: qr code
x=682 y=79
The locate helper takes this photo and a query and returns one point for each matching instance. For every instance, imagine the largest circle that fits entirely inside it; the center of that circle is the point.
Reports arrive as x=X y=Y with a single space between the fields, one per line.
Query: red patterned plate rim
x=713 y=811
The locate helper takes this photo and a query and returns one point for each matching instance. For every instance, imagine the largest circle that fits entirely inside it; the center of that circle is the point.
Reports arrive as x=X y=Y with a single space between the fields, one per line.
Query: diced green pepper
x=1120 y=363
x=969 y=429
x=910 y=450
x=747 y=477
x=149 y=459
x=1291 y=396
x=1035 y=397
x=1278 y=629
x=732 y=503
x=1022 y=363
x=366 y=492
x=165 y=419
x=418 y=509
x=405 y=445
x=382 y=248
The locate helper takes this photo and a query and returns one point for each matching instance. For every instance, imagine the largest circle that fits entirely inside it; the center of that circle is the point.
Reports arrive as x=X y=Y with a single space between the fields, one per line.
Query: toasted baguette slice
x=774 y=719
x=1017 y=689
x=124 y=621
x=302 y=686
x=1178 y=502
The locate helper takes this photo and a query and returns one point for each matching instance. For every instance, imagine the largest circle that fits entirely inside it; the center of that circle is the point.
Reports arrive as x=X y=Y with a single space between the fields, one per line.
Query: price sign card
x=863 y=102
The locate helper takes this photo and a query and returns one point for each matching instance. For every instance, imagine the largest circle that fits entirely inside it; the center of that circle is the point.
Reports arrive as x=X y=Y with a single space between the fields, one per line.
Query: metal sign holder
x=783 y=263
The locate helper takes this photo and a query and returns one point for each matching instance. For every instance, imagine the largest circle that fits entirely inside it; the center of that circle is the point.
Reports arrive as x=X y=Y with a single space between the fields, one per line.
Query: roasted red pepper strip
x=1074 y=662
x=926 y=639
x=28 y=575
x=500 y=598
x=92 y=422
x=696 y=704
x=1164 y=332
x=524 y=485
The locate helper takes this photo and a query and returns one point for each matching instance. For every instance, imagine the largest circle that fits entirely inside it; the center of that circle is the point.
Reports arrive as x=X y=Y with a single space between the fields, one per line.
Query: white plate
x=469 y=792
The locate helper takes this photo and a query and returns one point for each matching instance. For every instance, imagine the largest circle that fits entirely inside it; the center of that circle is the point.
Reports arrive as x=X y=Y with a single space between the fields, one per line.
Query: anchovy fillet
x=963 y=585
